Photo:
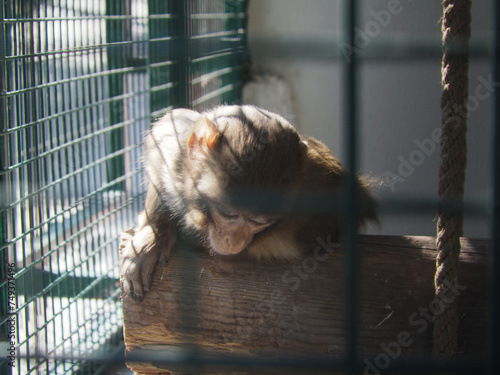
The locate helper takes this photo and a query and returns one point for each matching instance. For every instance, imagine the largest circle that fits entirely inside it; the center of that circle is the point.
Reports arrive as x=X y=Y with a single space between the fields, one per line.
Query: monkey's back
x=164 y=152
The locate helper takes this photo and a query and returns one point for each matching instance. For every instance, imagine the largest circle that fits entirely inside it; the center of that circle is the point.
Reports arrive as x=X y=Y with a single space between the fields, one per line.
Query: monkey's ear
x=204 y=137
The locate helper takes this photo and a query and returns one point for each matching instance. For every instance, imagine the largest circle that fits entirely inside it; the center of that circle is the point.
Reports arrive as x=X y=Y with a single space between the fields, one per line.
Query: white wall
x=400 y=99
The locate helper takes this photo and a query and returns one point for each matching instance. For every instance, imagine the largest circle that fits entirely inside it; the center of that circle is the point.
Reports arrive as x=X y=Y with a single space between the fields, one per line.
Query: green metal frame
x=80 y=83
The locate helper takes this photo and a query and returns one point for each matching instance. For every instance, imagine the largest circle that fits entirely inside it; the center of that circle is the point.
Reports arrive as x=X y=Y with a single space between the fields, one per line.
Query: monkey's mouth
x=216 y=249
x=214 y=253
x=221 y=244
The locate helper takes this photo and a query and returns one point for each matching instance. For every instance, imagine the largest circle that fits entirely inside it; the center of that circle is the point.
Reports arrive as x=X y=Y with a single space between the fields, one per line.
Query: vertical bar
x=116 y=32
x=189 y=290
x=494 y=364
x=4 y=202
x=3 y=153
x=182 y=53
x=350 y=122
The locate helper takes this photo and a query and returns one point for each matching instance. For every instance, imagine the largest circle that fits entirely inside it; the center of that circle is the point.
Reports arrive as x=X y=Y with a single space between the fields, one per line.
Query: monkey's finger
x=132 y=282
x=147 y=267
x=137 y=290
x=127 y=288
x=136 y=296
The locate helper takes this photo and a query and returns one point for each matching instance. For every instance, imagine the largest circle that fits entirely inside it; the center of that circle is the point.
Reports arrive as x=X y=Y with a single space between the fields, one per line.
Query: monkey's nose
x=236 y=244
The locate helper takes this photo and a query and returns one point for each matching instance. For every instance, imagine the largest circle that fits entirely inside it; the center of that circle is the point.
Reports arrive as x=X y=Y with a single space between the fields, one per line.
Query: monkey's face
x=223 y=200
x=230 y=231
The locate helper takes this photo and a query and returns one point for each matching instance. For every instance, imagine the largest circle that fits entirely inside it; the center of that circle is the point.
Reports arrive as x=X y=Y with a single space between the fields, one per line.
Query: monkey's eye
x=226 y=212
x=262 y=221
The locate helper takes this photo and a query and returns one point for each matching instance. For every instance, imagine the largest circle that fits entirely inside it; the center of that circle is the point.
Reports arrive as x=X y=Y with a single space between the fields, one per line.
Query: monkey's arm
x=153 y=240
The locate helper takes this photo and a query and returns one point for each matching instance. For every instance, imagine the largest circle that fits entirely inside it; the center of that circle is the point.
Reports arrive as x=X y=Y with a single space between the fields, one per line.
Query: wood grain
x=236 y=307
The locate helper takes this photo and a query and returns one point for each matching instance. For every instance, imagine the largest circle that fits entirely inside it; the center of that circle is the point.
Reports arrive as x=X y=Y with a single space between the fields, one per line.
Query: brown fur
x=277 y=191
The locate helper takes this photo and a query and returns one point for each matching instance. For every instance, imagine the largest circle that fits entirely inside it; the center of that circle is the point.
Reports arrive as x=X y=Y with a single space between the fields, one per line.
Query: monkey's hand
x=138 y=259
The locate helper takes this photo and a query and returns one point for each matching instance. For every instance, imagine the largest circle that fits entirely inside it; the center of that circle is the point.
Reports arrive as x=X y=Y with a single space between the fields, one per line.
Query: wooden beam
x=234 y=307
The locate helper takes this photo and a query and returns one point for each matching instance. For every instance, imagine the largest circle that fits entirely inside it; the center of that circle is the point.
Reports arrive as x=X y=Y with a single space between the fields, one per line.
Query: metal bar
x=214 y=55
x=82 y=77
x=216 y=34
x=83 y=18
x=380 y=50
x=215 y=74
x=4 y=189
x=182 y=51
x=210 y=16
x=69 y=50
x=350 y=87
x=214 y=94
x=165 y=86
x=179 y=356
x=494 y=362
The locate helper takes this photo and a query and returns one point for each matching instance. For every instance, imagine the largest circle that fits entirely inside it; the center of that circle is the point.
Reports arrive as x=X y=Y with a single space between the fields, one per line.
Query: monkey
x=240 y=179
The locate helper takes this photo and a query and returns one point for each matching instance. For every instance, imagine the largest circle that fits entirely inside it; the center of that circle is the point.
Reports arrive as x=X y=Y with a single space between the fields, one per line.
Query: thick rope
x=456 y=33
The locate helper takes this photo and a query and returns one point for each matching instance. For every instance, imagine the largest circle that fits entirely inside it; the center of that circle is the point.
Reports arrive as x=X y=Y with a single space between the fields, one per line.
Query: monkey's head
x=243 y=167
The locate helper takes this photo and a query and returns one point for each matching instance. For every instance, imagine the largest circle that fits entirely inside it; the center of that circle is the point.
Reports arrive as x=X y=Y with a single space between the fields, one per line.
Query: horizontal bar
x=89 y=18
x=409 y=206
x=215 y=74
x=381 y=48
x=186 y=356
x=218 y=34
x=161 y=112
x=168 y=85
x=81 y=78
x=215 y=93
x=76 y=49
x=162 y=16
x=73 y=142
x=162 y=64
x=216 y=54
x=212 y=16
x=162 y=39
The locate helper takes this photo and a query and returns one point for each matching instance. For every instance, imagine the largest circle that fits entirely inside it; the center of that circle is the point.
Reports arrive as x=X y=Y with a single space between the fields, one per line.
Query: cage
x=81 y=82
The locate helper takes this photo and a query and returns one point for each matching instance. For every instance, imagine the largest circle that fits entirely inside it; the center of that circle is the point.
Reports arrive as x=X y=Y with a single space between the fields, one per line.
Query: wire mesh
x=81 y=81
